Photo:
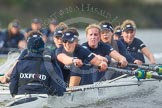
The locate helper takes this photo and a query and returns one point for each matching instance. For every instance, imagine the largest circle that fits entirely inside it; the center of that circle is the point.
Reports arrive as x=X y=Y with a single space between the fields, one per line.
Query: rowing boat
x=81 y=95
x=86 y=94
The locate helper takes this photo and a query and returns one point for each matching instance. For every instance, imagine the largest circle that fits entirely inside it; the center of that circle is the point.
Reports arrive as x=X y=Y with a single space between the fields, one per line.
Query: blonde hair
x=10 y=25
x=126 y=22
x=92 y=26
x=74 y=30
x=62 y=25
x=118 y=27
x=31 y=33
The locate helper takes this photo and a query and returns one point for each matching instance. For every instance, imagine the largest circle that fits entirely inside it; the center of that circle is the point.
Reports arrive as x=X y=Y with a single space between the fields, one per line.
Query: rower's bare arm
x=74 y=81
x=5 y=79
x=139 y=62
x=102 y=58
x=67 y=60
x=121 y=59
x=99 y=62
x=63 y=58
x=44 y=37
x=26 y=35
x=8 y=74
x=148 y=54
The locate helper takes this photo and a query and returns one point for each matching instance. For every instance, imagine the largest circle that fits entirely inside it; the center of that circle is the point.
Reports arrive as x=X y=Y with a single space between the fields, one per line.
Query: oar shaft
x=153 y=65
x=124 y=71
x=158 y=77
x=140 y=74
x=150 y=68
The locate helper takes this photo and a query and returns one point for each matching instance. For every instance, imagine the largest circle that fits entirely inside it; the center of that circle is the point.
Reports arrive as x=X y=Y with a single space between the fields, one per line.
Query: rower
x=12 y=37
x=100 y=50
x=57 y=36
x=117 y=33
x=36 y=73
x=36 y=25
x=50 y=30
x=134 y=45
x=57 y=42
x=72 y=53
x=107 y=37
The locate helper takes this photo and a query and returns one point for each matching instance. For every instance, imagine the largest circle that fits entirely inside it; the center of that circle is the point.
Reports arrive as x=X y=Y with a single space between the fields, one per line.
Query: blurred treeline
x=146 y=14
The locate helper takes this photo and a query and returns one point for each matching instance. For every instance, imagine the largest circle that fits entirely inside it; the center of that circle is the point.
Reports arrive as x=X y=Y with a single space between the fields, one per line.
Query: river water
x=151 y=98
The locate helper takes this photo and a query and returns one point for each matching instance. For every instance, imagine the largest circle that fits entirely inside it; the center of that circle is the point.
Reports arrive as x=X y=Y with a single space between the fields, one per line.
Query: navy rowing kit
x=47 y=51
x=8 y=41
x=49 y=35
x=135 y=49
x=103 y=50
x=80 y=53
x=35 y=74
x=123 y=51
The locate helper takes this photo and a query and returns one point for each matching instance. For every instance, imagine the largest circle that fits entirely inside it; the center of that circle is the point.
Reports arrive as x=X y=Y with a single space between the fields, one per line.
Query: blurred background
x=146 y=13
x=79 y=13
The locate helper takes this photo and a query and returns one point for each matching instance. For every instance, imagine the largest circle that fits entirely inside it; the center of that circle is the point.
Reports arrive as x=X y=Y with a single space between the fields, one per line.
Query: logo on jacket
x=134 y=48
x=32 y=76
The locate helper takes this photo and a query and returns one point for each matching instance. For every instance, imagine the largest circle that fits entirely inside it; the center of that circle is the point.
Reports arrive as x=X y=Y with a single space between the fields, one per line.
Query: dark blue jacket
x=104 y=50
x=35 y=74
x=80 y=53
x=10 y=42
x=124 y=52
x=49 y=34
x=135 y=49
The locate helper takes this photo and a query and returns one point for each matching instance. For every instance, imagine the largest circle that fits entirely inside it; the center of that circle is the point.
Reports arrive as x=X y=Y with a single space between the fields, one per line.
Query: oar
x=157 y=69
x=151 y=68
x=140 y=74
x=153 y=65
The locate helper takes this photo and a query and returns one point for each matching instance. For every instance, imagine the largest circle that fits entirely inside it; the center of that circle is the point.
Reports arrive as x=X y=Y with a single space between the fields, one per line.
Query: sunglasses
x=65 y=41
